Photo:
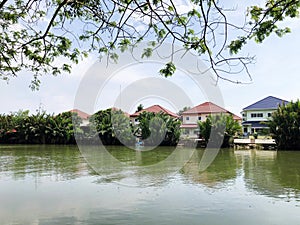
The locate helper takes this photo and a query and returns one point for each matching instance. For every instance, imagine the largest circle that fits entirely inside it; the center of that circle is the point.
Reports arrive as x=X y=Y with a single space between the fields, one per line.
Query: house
x=191 y=117
x=154 y=109
x=255 y=114
x=84 y=116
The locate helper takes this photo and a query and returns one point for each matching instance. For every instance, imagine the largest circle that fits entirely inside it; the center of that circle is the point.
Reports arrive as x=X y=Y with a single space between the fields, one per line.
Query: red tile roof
x=235 y=117
x=155 y=109
x=209 y=108
x=206 y=107
x=81 y=114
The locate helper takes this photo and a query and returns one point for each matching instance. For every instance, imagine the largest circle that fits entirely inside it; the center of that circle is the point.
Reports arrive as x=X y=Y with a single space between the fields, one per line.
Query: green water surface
x=46 y=185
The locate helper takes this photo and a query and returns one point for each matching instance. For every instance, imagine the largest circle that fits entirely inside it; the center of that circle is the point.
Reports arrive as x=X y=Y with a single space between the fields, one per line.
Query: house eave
x=259 y=109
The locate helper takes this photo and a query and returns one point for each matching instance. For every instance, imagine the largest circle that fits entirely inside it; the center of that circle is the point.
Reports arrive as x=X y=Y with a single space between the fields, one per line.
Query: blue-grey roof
x=269 y=102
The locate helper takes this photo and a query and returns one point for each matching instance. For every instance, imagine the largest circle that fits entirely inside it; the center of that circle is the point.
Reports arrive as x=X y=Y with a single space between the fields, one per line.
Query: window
x=269 y=114
x=199 y=117
x=187 y=118
x=253 y=115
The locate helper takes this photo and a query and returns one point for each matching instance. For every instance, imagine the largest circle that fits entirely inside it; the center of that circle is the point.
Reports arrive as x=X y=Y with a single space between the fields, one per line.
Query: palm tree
x=139 y=108
x=223 y=127
x=122 y=127
x=113 y=127
x=159 y=128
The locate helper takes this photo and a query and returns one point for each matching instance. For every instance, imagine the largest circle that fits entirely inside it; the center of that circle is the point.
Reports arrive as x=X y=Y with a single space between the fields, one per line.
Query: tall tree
x=159 y=128
x=113 y=127
x=225 y=124
x=185 y=108
x=35 y=35
x=285 y=126
x=139 y=108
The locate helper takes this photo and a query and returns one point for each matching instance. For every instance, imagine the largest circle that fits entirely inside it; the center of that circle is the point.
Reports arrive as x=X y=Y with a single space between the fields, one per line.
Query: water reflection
x=269 y=172
x=136 y=168
x=221 y=172
x=58 y=162
x=272 y=173
x=54 y=185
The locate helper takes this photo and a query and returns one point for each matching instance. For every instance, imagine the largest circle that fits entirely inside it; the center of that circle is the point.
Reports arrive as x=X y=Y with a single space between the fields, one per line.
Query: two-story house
x=200 y=112
x=255 y=114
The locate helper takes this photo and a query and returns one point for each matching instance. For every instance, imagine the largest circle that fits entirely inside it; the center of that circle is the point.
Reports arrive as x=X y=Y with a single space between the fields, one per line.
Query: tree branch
x=49 y=25
x=3 y=3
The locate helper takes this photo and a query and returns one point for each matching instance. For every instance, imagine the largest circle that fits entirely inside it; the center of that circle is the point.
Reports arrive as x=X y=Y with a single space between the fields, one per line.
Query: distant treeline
x=113 y=127
x=39 y=128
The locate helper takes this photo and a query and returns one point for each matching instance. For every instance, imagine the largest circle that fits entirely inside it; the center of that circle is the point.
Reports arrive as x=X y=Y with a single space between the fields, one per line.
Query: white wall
x=194 y=118
x=247 y=115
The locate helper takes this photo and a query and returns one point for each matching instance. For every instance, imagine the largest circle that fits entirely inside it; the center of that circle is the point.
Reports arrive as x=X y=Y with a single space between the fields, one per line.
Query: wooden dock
x=254 y=143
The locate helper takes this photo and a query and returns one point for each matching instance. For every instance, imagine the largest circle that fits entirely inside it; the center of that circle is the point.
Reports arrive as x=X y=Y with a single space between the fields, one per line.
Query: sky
x=275 y=73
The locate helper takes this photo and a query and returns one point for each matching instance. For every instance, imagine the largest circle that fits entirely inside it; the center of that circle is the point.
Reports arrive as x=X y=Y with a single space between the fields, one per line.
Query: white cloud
x=56 y=94
x=275 y=73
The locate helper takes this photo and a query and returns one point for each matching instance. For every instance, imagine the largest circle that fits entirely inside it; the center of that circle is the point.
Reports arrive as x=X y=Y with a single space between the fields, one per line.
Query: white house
x=200 y=112
x=259 y=112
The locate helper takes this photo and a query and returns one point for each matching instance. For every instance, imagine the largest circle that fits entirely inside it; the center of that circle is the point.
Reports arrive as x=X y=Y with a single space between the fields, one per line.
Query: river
x=49 y=185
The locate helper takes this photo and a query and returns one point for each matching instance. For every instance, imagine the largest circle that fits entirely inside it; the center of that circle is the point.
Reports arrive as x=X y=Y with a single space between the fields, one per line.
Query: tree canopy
x=49 y=36
x=114 y=127
x=39 y=128
x=158 y=129
x=285 y=126
x=224 y=126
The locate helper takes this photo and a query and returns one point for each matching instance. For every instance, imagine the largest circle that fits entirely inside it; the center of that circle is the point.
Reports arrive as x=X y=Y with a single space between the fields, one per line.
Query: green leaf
x=236 y=45
x=114 y=57
x=168 y=70
x=123 y=44
x=194 y=12
x=147 y=52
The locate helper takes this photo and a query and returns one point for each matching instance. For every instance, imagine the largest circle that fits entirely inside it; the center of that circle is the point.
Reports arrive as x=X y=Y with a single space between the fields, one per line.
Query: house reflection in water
x=270 y=173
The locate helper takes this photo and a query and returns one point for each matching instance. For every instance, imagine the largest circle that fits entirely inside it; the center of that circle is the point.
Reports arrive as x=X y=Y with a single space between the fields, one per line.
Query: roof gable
x=80 y=113
x=206 y=107
x=209 y=108
x=155 y=109
x=269 y=102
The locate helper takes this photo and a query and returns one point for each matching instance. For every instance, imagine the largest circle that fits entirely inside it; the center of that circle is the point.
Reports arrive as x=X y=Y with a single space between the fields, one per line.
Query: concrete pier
x=254 y=143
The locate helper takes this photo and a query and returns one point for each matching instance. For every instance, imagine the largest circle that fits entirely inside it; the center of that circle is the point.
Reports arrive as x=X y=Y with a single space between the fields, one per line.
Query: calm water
x=55 y=185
